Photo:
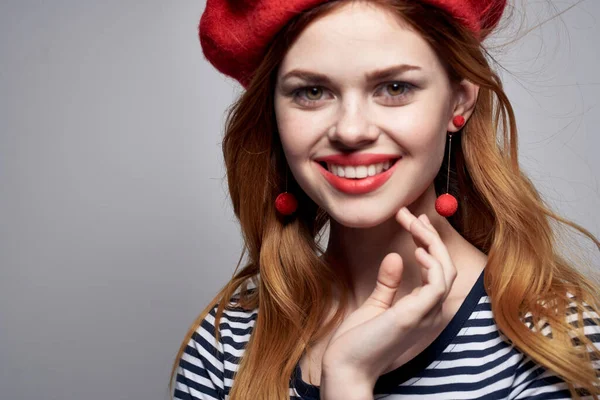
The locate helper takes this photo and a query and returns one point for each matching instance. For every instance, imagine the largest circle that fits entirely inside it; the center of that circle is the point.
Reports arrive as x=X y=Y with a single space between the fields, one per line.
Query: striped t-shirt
x=470 y=359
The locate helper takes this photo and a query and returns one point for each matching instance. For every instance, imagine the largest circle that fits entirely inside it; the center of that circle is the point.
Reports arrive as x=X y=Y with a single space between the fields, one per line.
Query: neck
x=359 y=251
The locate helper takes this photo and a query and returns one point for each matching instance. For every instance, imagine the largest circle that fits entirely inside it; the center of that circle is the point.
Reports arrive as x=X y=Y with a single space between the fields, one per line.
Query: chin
x=361 y=219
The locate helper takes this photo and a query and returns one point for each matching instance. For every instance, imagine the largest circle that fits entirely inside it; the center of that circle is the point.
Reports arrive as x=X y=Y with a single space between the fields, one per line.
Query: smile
x=358 y=179
x=359 y=171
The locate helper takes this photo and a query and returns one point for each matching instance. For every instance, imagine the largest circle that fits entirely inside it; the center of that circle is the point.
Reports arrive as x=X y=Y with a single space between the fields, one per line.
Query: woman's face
x=359 y=85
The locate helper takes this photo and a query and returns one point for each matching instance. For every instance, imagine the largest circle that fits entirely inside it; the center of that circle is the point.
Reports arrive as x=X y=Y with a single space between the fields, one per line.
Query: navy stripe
x=562 y=394
x=199 y=387
x=480 y=322
x=466 y=339
x=207 y=346
x=242 y=320
x=466 y=370
x=498 y=394
x=179 y=395
x=453 y=386
x=483 y=307
x=201 y=370
x=458 y=355
x=528 y=366
x=409 y=379
x=235 y=331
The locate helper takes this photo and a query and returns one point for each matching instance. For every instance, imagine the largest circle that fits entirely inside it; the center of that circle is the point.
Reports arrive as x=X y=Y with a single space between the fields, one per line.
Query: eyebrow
x=379 y=74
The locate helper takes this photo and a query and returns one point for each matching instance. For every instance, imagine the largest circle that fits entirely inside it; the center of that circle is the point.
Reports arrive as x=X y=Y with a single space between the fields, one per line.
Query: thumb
x=388 y=281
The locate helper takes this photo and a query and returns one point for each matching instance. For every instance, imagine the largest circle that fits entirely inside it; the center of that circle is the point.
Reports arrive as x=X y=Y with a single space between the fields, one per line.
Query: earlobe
x=466 y=99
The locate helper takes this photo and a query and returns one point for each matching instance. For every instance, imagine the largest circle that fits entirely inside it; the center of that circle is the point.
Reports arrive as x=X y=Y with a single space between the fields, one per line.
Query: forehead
x=358 y=37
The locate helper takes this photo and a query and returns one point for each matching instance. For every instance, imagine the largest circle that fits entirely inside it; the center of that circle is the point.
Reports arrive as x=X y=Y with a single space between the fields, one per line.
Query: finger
x=417 y=305
x=427 y=222
x=435 y=288
x=388 y=281
x=428 y=262
x=423 y=235
x=428 y=225
x=438 y=250
x=405 y=218
x=428 y=238
x=424 y=269
x=423 y=218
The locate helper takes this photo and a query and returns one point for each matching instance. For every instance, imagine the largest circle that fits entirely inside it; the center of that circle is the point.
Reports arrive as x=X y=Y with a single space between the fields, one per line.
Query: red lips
x=357 y=158
x=357 y=186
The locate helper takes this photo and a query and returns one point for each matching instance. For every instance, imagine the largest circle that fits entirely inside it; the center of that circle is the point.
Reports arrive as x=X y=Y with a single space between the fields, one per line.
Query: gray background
x=115 y=228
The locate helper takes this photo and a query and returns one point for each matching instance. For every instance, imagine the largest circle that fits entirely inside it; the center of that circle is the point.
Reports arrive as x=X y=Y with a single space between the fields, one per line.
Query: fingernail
x=404 y=210
x=426 y=218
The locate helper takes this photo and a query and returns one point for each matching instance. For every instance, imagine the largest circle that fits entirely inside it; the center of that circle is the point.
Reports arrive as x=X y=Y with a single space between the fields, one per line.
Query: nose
x=353 y=128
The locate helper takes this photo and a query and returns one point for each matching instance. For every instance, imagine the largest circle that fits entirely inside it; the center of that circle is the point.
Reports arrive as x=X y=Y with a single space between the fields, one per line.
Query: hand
x=378 y=332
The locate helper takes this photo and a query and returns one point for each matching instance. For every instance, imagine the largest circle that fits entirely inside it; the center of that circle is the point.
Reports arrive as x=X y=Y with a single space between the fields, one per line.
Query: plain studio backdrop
x=115 y=226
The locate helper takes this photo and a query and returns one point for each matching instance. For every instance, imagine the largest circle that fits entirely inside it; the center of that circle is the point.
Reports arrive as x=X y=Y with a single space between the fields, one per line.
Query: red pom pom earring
x=285 y=202
x=446 y=205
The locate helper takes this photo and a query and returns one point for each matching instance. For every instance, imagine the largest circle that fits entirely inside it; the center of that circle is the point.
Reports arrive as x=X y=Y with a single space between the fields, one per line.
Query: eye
x=314 y=91
x=396 y=91
x=397 y=88
x=308 y=94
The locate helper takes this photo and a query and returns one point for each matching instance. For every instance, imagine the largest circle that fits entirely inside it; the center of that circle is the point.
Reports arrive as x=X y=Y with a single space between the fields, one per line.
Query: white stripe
x=240 y=314
x=521 y=379
x=483 y=314
x=216 y=363
x=196 y=394
x=541 y=390
x=233 y=324
x=475 y=346
x=469 y=378
x=239 y=339
x=472 y=362
x=206 y=335
x=197 y=378
x=481 y=356
x=477 y=330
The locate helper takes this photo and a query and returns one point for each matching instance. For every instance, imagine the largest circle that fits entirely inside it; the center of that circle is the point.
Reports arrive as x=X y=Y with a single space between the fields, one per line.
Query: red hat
x=235 y=33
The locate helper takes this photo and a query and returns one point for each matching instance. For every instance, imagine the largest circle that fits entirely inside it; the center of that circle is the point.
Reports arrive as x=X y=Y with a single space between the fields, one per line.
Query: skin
x=405 y=270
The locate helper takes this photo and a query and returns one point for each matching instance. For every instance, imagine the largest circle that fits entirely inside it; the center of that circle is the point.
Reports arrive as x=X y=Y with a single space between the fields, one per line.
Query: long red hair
x=501 y=213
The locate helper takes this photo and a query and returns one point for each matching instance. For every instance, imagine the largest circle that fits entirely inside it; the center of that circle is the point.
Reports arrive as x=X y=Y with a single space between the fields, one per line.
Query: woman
x=441 y=278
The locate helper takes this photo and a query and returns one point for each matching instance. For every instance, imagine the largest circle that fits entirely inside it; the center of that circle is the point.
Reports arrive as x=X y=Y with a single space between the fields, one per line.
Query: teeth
x=359 y=171
x=350 y=172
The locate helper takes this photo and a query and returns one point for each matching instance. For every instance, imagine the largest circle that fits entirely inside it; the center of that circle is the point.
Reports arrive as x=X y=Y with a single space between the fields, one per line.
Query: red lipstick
x=361 y=185
x=357 y=158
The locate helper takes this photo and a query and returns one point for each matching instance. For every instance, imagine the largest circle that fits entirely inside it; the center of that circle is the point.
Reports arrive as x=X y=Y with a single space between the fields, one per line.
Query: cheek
x=420 y=135
x=296 y=136
x=426 y=120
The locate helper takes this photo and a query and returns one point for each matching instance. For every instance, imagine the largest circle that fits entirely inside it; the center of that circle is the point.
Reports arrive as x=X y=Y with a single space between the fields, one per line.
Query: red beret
x=235 y=33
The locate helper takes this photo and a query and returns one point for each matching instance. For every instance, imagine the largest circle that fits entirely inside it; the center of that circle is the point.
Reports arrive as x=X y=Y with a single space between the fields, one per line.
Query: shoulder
x=206 y=366
x=534 y=380
x=587 y=319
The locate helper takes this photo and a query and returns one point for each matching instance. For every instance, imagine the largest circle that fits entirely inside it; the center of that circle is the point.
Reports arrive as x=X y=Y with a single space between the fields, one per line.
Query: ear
x=465 y=98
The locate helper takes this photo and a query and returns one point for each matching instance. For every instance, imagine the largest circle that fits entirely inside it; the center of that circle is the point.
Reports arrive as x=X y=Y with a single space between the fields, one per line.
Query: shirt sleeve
x=534 y=382
x=200 y=374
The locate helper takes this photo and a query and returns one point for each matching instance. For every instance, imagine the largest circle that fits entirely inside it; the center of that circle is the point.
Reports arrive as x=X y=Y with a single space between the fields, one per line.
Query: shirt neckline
x=386 y=382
